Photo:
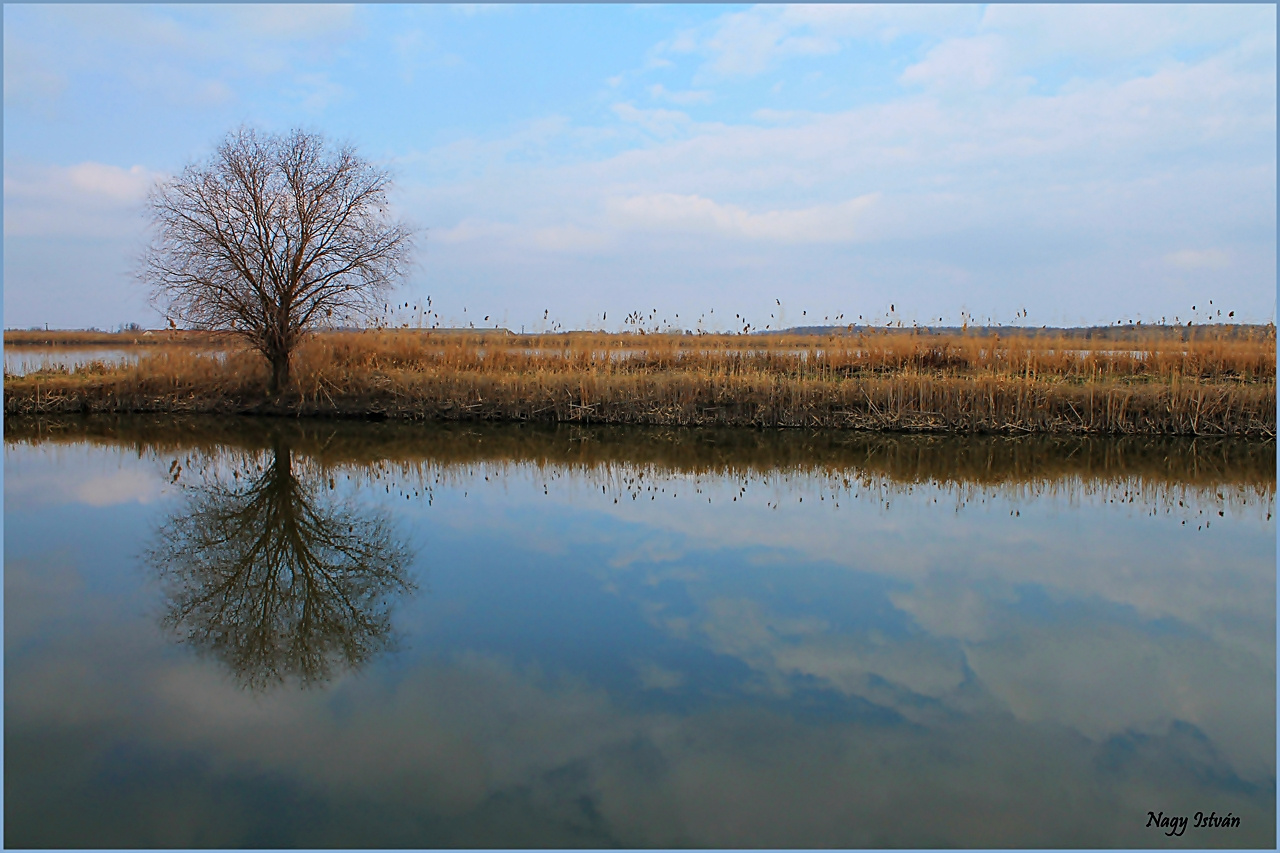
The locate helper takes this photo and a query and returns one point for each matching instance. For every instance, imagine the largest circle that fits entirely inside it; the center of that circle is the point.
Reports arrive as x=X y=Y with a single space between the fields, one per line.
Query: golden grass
x=1220 y=384
x=80 y=338
x=1159 y=354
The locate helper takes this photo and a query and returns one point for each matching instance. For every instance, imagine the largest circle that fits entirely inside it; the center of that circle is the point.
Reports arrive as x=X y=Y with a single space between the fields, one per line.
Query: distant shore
x=1131 y=332
x=901 y=381
x=99 y=338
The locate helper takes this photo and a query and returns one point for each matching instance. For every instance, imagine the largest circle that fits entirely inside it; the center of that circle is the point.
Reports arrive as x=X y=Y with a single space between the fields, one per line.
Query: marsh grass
x=94 y=337
x=1158 y=382
x=1157 y=355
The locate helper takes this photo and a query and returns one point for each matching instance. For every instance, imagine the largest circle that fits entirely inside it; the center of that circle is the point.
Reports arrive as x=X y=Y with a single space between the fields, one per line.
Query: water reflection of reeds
x=628 y=461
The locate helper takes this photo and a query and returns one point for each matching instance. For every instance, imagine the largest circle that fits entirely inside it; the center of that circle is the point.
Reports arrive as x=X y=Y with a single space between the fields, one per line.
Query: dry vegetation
x=96 y=338
x=1152 y=383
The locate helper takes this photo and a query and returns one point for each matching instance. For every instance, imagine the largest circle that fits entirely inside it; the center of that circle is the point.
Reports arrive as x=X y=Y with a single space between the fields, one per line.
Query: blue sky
x=1084 y=163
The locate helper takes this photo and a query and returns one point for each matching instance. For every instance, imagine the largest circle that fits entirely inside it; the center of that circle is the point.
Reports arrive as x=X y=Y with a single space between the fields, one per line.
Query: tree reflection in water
x=271 y=574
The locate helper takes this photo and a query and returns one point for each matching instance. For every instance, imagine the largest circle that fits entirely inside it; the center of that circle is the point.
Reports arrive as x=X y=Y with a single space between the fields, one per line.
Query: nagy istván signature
x=1177 y=824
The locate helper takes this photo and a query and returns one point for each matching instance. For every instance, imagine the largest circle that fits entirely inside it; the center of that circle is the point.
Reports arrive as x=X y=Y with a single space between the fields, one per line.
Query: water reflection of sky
x=19 y=361
x=930 y=666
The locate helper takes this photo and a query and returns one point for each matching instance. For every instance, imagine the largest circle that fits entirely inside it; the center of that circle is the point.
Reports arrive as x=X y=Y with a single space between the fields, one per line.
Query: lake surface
x=19 y=361
x=242 y=632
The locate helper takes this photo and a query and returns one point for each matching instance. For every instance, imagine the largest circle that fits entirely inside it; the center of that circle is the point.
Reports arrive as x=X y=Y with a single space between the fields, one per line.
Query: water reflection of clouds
x=1136 y=631
x=1104 y=679
x=1099 y=658
x=859 y=664
x=459 y=742
x=80 y=476
x=41 y=581
x=1152 y=564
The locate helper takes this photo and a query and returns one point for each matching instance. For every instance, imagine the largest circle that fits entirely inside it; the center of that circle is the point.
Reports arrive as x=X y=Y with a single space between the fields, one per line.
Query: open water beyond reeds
x=277 y=633
x=24 y=360
x=19 y=361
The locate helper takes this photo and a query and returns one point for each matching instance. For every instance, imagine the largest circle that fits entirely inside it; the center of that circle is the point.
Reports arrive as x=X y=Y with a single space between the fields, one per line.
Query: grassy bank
x=891 y=380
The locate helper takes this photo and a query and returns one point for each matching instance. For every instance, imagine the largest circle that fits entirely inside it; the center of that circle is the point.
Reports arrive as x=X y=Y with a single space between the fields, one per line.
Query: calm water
x=237 y=633
x=19 y=361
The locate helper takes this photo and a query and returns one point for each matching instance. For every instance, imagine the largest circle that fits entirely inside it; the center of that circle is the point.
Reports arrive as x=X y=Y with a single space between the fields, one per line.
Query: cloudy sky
x=1084 y=164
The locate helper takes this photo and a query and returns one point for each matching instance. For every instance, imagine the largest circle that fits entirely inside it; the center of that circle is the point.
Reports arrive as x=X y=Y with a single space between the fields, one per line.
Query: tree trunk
x=279 y=372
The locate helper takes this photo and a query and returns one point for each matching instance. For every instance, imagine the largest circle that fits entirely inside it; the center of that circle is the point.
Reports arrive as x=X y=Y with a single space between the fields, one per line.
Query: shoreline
x=890 y=381
x=1173 y=462
x=893 y=403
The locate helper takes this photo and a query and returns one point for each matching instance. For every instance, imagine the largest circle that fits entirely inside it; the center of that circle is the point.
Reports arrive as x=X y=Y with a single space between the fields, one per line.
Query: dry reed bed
x=81 y=338
x=1160 y=356
x=1221 y=385
x=621 y=459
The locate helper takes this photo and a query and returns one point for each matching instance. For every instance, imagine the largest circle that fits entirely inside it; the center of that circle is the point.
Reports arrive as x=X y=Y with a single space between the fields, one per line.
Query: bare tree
x=272 y=237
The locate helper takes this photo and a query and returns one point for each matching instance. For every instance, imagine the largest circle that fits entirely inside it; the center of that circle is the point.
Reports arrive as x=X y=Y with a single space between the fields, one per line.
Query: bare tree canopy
x=273 y=236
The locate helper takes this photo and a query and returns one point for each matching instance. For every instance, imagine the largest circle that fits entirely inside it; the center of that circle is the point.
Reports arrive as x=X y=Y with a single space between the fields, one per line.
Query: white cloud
x=1107 y=132
x=747 y=43
x=1110 y=32
x=316 y=91
x=294 y=22
x=471 y=10
x=566 y=238
x=1012 y=190
x=689 y=96
x=187 y=54
x=884 y=22
x=212 y=92
x=472 y=229
x=415 y=50
x=962 y=63
x=114 y=182
x=570 y=239
x=87 y=199
x=1199 y=258
x=1153 y=154
x=28 y=77
x=843 y=222
x=657 y=121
